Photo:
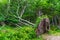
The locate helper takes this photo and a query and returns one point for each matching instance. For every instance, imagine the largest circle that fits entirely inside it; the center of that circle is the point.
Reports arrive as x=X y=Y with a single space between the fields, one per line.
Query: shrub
x=18 y=33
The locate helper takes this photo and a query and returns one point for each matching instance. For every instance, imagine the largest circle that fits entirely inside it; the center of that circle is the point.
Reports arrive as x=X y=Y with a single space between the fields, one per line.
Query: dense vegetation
x=19 y=18
x=19 y=33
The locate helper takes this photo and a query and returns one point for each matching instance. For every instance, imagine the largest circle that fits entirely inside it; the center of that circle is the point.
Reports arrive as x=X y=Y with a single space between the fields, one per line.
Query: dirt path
x=50 y=37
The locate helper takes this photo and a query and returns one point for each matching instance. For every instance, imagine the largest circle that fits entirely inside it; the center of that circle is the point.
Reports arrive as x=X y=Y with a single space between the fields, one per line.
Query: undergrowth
x=54 y=30
x=18 y=33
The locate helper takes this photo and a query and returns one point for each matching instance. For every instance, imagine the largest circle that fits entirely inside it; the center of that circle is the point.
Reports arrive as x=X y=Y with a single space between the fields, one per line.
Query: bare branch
x=23 y=10
x=21 y=14
x=25 y=21
x=17 y=12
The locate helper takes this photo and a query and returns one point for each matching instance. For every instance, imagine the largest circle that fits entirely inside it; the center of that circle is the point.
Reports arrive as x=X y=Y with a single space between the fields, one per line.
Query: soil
x=50 y=37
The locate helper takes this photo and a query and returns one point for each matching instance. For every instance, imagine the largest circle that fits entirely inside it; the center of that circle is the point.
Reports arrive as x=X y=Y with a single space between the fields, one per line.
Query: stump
x=43 y=27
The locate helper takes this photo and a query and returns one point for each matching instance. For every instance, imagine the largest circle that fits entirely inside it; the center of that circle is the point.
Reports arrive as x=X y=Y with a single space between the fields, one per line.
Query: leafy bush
x=19 y=33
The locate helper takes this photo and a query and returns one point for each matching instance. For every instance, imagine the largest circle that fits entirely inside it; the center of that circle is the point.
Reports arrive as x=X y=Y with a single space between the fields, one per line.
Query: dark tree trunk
x=43 y=27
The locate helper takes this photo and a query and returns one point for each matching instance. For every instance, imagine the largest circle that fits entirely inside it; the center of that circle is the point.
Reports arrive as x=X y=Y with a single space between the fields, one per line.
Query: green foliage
x=8 y=11
x=3 y=1
x=48 y=7
x=19 y=33
x=54 y=31
x=39 y=19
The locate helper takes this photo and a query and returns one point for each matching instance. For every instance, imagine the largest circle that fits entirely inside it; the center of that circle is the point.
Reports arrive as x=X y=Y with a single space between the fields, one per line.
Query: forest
x=29 y=19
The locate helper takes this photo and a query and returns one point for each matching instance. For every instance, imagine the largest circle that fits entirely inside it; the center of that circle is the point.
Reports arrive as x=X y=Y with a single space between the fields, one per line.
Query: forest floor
x=51 y=37
x=53 y=34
